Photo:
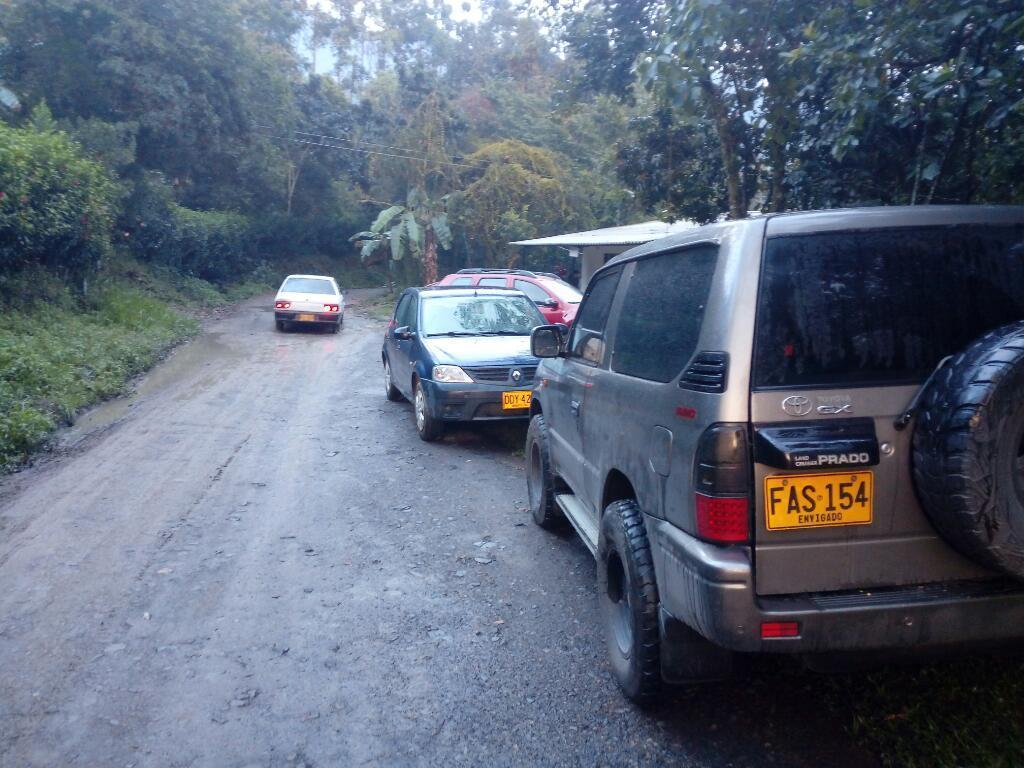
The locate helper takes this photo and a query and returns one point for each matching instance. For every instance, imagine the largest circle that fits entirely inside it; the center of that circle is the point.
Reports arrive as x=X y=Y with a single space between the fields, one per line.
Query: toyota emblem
x=797 y=405
x=516 y=375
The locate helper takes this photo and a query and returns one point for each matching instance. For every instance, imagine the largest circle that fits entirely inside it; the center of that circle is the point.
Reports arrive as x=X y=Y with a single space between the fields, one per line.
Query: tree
x=674 y=166
x=723 y=61
x=512 y=187
x=413 y=233
x=942 y=81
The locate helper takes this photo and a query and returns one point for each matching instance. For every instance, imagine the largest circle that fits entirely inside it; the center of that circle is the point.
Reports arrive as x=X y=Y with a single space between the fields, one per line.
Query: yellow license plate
x=514 y=401
x=306 y=318
x=817 y=501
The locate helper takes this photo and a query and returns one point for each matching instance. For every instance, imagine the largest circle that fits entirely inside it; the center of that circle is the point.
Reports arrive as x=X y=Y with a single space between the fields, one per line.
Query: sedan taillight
x=330 y=307
x=282 y=304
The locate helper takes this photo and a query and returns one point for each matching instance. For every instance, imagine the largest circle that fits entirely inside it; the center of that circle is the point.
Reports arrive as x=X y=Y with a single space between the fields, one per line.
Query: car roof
x=315 y=277
x=464 y=290
x=835 y=220
x=492 y=272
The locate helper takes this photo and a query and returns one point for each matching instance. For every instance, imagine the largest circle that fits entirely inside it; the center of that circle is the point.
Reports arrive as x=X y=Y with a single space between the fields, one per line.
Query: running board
x=577 y=514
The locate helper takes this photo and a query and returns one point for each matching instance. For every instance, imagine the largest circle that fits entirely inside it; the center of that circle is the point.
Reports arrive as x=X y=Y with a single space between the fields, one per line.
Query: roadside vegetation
x=968 y=712
x=59 y=353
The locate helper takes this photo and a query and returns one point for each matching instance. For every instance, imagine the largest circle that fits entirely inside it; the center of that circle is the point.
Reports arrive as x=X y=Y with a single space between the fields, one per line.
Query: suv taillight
x=721 y=480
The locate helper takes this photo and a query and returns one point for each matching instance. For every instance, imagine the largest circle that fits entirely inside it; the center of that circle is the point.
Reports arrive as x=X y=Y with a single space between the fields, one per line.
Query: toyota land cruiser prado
x=797 y=433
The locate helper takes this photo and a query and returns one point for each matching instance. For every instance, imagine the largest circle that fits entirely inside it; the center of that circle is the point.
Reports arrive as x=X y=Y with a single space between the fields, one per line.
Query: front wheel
x=540 y=482
x=427 y=426
x=390 y=390
x=628 y=594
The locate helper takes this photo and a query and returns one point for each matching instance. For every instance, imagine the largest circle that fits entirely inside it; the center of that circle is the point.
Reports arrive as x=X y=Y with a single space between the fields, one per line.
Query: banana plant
x=412 y=231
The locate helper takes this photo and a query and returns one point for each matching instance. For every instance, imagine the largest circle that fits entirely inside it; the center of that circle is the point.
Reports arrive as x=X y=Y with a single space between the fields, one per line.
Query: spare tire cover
x=969 y=451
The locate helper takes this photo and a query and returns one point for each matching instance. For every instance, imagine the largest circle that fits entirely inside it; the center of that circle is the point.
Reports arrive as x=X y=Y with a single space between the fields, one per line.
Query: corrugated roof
x=630 y=234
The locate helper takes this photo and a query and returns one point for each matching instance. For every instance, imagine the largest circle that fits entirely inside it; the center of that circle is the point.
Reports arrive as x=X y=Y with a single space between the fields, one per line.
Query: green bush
x=214 y=245
x=56 y=205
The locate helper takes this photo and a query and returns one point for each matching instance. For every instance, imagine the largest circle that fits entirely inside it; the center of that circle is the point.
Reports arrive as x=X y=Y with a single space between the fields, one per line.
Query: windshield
x=564 y=291
x=479 y=315
x=308 y=285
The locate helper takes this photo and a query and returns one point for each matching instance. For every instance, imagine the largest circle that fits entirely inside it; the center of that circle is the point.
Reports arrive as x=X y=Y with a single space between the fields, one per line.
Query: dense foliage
x=56 y=205
x=238 y=131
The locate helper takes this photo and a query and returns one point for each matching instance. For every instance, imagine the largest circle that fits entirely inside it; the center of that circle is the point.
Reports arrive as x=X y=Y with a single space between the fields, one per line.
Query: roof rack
x=524 y=272
x=466 y=288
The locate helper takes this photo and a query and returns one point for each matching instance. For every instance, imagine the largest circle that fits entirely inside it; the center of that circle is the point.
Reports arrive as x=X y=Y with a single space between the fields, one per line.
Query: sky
x=462 y=10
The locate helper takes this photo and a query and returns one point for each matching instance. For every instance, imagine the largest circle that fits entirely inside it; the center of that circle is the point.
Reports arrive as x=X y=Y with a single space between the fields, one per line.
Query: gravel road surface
x=254 y=561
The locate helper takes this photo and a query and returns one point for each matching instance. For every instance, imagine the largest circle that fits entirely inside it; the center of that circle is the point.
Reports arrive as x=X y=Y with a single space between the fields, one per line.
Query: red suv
x=556 y=299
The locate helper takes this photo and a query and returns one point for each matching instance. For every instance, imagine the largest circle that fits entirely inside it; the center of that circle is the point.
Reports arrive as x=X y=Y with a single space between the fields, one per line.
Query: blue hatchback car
x=461 y=354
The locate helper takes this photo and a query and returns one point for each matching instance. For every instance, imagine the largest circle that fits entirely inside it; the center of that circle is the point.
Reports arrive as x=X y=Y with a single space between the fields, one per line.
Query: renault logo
x=797 y=405
x=516 y=375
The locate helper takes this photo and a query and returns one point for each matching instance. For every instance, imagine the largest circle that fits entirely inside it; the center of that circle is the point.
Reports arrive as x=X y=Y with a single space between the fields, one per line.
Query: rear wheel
x=280 y=325
x=427 y=426
x=540 y=482
x=628 y=594
x=390 y=390
x=336 y=327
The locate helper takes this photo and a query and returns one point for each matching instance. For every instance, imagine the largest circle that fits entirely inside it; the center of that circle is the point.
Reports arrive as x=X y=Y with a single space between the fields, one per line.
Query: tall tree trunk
x=730 y=152
x=430 y=257
x=777 y=153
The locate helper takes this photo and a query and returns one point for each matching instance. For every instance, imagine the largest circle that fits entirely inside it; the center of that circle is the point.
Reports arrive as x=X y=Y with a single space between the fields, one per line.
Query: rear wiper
x=908 y=413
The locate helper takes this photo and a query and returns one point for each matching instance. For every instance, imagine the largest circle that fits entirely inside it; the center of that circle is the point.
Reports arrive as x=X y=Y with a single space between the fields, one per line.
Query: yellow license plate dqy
x=818 y=500
x=515 y=401
x=306 y=318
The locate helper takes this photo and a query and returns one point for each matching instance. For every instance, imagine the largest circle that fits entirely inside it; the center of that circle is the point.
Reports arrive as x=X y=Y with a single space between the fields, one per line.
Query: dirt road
x=255 y=561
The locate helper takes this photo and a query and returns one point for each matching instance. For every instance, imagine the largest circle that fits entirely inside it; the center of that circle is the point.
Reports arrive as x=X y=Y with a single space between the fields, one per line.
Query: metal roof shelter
x=596 y=246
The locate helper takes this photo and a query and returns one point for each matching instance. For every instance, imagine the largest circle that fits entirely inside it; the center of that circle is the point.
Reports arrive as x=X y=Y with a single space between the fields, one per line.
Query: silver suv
x=800 y=433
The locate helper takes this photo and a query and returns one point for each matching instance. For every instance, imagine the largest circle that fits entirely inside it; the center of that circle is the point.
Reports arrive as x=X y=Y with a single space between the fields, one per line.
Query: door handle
x=574 y=406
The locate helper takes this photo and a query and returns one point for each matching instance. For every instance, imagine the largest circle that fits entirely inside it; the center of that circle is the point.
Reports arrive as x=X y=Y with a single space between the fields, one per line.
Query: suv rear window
x=882 y=306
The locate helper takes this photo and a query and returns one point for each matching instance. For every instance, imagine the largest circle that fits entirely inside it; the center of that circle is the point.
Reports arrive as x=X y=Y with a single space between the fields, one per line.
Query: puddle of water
x=182 y=363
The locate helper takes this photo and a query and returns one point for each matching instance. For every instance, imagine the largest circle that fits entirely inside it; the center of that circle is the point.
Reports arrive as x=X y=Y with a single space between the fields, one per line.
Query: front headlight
x=452 y=374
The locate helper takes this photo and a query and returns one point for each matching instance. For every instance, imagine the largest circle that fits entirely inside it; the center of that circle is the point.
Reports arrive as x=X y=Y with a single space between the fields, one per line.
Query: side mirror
x=402 y=332
x=549 y=304
x=546 y=341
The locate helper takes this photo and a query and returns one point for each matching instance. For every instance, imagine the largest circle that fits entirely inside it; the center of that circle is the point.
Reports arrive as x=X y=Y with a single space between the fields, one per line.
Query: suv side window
x=493 y=282
x=662 y=312
x=534 y=291
x=462 y=281
x=587 y=340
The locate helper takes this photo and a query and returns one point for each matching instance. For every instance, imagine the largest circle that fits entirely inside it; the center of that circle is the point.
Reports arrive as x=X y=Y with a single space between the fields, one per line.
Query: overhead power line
x=328 y=142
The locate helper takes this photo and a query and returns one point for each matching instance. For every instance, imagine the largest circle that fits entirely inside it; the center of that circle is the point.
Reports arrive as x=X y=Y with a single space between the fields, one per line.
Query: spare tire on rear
x=969 y=451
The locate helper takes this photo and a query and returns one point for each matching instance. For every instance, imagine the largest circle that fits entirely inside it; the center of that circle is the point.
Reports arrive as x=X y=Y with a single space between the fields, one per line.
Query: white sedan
x=309 y=299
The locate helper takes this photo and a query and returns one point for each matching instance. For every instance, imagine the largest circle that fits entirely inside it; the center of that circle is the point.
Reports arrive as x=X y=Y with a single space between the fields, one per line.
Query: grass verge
x=58 y=357
x=963 y=714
